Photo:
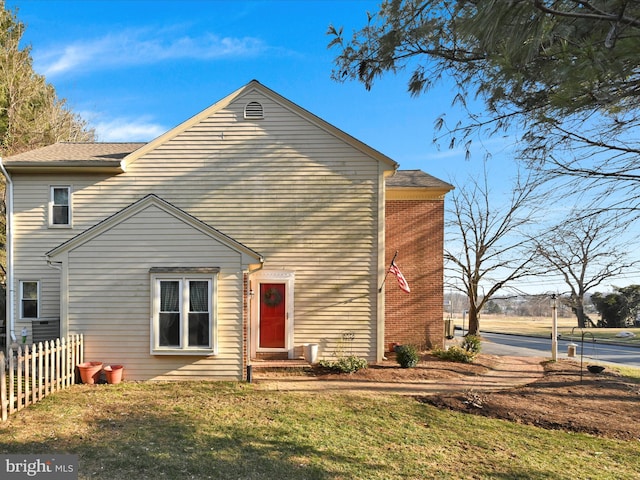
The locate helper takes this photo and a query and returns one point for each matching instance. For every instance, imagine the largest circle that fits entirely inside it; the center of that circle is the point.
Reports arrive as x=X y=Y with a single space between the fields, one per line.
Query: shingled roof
x=74 y=154
x=416 y=179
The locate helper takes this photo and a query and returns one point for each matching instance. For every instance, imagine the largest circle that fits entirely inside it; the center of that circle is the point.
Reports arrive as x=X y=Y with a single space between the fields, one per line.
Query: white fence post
x=32 y=373
x=40 y=371
x=19 y=378
x=4 y=401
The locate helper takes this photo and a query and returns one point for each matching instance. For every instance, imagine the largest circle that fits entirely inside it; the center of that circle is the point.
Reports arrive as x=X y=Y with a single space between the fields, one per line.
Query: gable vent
x=253 y=111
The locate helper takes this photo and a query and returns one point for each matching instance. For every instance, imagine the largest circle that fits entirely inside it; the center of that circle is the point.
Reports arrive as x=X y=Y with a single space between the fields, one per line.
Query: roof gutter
x=11 y=289
x=114 y=167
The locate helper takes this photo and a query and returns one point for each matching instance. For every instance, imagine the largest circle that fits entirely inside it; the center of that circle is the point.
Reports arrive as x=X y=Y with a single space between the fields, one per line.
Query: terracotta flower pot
x=113 y=373
x=90 y=372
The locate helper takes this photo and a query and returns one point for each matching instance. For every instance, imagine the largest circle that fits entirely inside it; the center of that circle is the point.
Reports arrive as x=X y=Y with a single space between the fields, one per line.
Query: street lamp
x=554 y=327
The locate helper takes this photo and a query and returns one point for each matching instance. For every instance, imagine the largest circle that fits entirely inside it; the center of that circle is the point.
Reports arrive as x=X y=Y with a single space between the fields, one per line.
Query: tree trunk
x=583 y=319
x=579 y=311
x=474 y=321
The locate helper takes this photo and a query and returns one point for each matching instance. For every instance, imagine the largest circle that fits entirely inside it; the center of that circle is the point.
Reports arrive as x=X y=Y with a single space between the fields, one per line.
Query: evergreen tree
x=566 y=73
x=618 y=308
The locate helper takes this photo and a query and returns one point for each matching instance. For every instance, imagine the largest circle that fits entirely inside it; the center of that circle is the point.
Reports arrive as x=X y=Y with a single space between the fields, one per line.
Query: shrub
x=407 y=356
x=471 y=343
x=455 y=354
x=348 y=364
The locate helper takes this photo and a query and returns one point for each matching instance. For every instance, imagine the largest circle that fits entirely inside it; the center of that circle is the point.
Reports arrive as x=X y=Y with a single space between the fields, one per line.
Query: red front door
x=272 y=315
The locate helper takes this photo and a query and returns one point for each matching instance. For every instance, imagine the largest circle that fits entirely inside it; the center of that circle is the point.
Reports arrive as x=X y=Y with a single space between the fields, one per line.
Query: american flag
x=401 y=280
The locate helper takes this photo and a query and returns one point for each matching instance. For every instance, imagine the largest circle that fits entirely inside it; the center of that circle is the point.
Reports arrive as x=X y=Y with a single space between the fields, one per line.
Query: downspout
x=250 y=293
x=63 y=305
x=11 y=290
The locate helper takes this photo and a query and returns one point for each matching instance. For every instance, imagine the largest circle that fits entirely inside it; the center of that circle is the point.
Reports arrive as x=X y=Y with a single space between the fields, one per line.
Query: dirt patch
x=602 y=404
x=429 y=368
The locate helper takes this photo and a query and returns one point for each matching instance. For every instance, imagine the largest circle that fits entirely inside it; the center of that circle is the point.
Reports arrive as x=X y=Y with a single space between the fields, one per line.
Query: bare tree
x=586 y=252
x=486 y=244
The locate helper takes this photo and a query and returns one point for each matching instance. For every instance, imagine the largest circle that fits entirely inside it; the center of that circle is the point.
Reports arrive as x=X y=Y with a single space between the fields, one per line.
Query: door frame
x=287 y=278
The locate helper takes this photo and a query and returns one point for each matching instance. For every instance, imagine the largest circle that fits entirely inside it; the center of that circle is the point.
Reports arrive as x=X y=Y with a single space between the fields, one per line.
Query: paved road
x=499 y=344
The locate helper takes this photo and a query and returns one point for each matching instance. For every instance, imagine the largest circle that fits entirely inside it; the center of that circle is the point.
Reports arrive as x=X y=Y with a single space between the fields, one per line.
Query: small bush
x=471 y=343
x=350 y=364
x=407 y=356
x=455 y=354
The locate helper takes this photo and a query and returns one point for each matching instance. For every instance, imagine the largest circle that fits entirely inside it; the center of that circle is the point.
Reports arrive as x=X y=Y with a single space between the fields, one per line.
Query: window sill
x=202 y=352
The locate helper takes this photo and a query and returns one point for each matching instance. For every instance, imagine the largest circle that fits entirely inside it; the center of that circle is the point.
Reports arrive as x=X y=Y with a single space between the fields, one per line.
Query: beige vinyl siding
x=293 y=192
x=109 y=282
x=283 y=186
x=33 y=237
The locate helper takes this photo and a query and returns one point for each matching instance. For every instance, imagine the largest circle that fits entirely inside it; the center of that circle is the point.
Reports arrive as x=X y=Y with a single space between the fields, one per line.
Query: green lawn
x=541 y=326
x=233 y=431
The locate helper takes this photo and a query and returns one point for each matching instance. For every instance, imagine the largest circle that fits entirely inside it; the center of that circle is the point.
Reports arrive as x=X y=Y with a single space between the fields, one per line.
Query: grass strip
x=204 y=430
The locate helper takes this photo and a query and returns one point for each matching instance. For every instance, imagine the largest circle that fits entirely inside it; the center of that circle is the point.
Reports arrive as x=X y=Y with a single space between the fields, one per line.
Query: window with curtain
x=183 y=319
x=199 y=312
x=169 y=328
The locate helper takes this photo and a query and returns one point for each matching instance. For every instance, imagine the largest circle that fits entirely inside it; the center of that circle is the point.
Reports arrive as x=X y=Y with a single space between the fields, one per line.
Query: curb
x=560 y=337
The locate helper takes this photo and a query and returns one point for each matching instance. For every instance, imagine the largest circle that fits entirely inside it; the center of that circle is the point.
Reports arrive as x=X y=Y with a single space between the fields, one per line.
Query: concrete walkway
x=508 y=373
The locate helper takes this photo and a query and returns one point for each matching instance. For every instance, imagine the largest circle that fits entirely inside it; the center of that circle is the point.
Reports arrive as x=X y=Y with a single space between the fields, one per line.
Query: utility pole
x=554 y=327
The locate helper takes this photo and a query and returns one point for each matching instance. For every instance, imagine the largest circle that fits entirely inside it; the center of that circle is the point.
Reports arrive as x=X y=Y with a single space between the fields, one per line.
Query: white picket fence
x=30 y=373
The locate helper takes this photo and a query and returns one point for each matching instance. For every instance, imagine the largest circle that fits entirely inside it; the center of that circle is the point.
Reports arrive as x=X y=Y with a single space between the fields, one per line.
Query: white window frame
x=184 y=348
x=286 y=277
x=38 y=296
x=52 y=189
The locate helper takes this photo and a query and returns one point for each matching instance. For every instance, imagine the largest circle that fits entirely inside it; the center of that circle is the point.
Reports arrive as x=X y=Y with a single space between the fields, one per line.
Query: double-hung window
x=29 y=299
x=60 y=206
x=184 y=313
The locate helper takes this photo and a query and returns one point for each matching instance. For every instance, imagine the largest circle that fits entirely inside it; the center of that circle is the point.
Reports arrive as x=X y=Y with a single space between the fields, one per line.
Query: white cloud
x=494 y=146
x=140 y=47
x=456 y=153
x=128 y=130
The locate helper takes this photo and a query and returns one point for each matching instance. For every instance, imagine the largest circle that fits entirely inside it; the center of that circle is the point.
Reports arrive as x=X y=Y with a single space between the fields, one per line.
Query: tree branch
x=587 y=16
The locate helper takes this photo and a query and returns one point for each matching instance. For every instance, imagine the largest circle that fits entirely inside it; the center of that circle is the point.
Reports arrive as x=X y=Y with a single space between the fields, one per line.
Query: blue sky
x=136 y=68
